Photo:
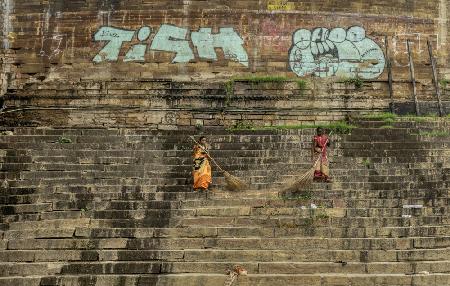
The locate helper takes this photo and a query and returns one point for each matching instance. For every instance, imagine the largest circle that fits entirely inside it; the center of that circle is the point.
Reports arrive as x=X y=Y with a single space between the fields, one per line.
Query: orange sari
x=202 y=168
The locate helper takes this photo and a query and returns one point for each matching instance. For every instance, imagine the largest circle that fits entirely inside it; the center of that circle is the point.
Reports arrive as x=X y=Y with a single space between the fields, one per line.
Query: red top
x=321 y=142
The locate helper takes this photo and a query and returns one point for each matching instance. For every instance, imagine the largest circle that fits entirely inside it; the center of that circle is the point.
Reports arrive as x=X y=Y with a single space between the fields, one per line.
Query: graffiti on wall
x=323 y=53
x=52 y=46
x=418 y=43
x=171 y=39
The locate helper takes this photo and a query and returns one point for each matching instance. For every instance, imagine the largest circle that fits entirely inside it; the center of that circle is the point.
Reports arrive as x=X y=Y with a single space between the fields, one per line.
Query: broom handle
x=212 y=159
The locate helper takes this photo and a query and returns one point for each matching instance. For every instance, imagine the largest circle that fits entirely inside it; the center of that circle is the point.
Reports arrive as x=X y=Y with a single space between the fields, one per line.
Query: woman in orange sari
x=319 y=154
x=202 y=168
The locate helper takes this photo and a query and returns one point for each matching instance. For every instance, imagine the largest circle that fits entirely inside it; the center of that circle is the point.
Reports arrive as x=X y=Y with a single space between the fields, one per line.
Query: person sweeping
x=319 y=170
x=202 y=168
x=320 y=143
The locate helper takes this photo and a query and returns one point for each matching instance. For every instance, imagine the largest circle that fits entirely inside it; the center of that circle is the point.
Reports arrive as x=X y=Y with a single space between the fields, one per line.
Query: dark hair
x=319 y=128
x=201 y=137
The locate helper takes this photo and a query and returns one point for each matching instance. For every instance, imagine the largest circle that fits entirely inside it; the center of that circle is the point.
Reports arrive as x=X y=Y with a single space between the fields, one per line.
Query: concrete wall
x=69 y=42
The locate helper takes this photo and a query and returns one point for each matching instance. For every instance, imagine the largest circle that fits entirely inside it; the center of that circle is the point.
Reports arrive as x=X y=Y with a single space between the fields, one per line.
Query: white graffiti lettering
x=171 y=39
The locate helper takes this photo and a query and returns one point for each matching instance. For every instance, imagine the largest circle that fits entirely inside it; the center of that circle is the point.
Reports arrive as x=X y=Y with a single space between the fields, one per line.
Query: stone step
x=321 y=192
x=296 y=201
x=32 y=180
x=404 y=123
x=301 y=199
x=101 y=193
x=233 y=243
x=300 y=148
x=146 y=267
x=358 y=165
x=209 y=255
x=300 y=212
x=220 y=212
x=54 y=215
x=50 y=224
x=25 y=208
x=219 y=279
x=356 y=232
x=87 y=196
x=441 y=230
x=354 y=170
x=290 y=222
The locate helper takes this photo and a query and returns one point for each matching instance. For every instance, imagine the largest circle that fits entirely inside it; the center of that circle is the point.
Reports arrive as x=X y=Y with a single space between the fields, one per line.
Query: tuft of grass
x=444 y=82
x=64 y=140
x=301 y=84
x=420 y=118
x=229 y=91
x=340 y=127
x=322 y=215
x=386 y=127
x=385 y=116
x=356 y=81
x=366 y=162
x=435 y=134
x=242 y=125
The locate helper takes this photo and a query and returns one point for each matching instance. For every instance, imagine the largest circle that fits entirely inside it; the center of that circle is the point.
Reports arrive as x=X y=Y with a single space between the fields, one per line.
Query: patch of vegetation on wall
x=64 y=140
x=444 y=83
x=356 y=81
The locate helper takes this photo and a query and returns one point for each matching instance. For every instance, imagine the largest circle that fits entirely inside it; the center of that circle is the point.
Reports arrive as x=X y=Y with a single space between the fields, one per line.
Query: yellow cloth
x=202 y=168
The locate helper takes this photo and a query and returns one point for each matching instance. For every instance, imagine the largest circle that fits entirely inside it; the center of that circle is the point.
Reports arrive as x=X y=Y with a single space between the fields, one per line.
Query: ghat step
x=216 y=279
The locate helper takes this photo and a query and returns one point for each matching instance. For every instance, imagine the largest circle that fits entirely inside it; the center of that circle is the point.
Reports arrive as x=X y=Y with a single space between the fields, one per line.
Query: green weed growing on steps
x=386 y=126
x=337 y=127
x=419 y=118
x=384 y=116
x=301 y=85
x=242 y=125
x=64 y=140
x=390 y=118
x=322 y=215
x=356 y=81
x=435 y=134
x=366 y=162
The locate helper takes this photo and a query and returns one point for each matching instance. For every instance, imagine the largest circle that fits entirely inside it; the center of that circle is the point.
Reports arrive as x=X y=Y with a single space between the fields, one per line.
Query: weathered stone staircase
x=114 y=207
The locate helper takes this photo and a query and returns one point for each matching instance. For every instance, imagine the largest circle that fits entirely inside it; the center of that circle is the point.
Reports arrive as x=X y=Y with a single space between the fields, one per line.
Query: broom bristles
x=302 y=182
x=233 y=183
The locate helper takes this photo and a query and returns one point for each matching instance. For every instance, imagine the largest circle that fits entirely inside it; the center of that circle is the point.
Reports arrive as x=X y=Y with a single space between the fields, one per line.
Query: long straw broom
x=232 y=183
x=305 y=179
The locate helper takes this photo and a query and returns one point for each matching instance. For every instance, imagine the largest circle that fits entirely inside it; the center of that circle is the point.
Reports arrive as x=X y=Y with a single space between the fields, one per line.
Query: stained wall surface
x=74 y=43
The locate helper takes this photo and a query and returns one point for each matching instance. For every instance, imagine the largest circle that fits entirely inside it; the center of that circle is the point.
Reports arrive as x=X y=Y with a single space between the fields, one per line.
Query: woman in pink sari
x=319 y=155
